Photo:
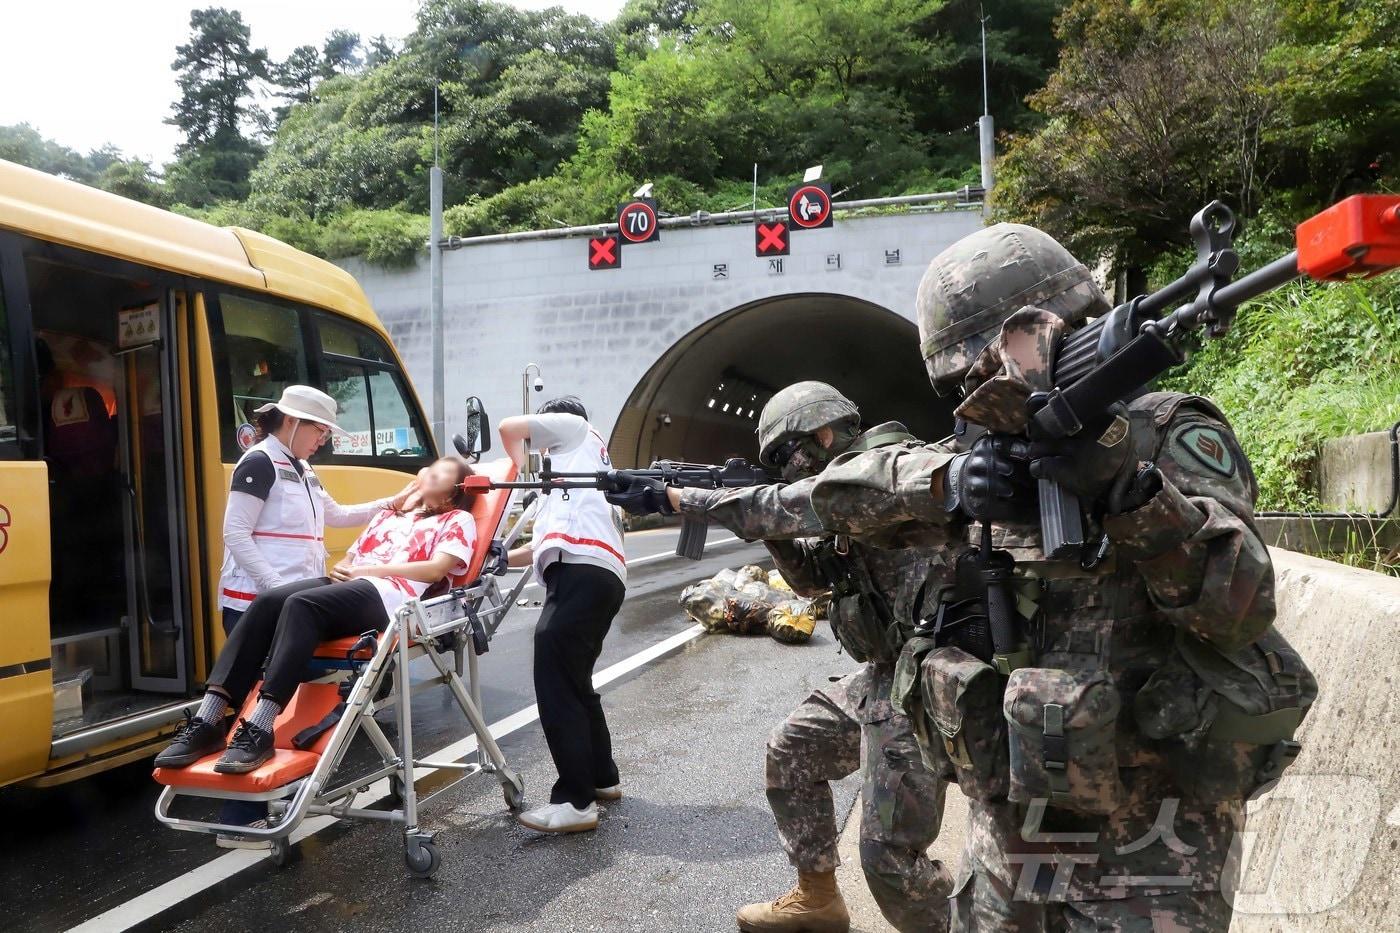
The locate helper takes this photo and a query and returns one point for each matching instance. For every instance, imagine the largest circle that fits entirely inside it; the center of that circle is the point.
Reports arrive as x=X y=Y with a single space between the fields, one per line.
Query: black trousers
x=580 y=602
x=284 y=625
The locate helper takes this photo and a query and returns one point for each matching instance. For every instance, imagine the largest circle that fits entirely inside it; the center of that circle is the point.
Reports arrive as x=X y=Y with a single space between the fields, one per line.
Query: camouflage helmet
x=800 y=409
x=974 y=285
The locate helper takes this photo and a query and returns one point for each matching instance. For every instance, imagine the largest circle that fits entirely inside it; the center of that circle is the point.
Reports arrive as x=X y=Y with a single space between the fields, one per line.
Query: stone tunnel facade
x=675 y=352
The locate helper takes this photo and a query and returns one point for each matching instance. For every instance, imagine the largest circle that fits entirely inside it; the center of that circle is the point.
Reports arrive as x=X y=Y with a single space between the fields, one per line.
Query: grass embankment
x=1304 y=364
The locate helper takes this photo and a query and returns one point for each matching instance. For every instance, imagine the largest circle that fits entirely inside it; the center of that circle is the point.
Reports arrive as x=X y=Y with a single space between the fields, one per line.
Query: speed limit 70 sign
x=636 y=221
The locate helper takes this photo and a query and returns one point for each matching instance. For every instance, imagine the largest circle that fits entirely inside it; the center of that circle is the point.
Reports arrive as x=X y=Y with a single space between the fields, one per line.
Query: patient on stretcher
x=395 y=559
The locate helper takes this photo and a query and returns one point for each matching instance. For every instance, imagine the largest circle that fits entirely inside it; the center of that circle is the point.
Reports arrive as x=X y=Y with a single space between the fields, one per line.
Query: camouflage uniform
x=828 y=735
x=1135 y=832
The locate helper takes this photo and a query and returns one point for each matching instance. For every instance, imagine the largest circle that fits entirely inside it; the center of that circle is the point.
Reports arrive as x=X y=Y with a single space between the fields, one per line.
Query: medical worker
x=576 y=549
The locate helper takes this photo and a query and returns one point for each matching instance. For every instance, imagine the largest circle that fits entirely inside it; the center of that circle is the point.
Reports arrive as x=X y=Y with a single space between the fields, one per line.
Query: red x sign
x=604 y=252
x=771 y=239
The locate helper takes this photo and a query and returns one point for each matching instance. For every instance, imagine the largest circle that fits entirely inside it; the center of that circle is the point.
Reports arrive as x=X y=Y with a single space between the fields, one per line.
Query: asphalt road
x=691 y=840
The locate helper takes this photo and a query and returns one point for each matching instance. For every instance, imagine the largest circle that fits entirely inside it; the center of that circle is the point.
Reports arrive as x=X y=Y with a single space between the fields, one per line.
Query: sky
x=90 y=72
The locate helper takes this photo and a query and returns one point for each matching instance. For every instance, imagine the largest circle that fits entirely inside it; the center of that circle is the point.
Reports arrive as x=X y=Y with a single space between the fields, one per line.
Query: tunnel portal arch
x=700 y=400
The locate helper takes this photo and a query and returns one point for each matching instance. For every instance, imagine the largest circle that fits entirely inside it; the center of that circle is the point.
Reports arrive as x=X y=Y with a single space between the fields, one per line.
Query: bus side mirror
x=477 y=439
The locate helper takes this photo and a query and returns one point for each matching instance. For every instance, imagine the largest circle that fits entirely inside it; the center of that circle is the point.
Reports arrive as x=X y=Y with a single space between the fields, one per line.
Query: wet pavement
x=691 y=840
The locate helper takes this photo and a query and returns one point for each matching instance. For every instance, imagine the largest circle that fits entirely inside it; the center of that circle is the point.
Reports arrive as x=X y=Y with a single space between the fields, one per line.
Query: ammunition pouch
x=962 y=700
x=860 y=616
x=1226 y=722
x=1063 y=738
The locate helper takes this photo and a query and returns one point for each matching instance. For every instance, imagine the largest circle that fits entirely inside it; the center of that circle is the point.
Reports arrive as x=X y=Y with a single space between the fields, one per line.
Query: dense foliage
x=1158 y=106
x=1304 y=364
x=546 y=117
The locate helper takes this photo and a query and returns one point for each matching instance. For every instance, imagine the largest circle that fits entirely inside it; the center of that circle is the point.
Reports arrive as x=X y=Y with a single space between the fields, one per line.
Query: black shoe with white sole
x=194 y=739
x=247 y=750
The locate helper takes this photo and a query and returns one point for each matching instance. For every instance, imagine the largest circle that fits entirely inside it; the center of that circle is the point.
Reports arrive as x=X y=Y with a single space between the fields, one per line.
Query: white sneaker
x=560 y=818
x=228 y=841
x=608 y=793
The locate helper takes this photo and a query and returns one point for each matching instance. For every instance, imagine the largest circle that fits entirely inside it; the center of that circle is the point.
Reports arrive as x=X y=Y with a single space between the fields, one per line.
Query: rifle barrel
x=1266 y=278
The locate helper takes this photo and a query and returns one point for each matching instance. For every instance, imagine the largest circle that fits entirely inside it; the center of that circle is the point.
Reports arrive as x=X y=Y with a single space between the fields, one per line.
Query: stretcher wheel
x=513 y=789
x=281 y=852
x=423 y=861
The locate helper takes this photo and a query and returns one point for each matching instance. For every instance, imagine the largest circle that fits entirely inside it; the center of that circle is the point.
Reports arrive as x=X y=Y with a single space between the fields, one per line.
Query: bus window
x=348 y=385
x=341 y=338
x=396 y=429
x=9 y=433
x=265 y=353
x=378 y=415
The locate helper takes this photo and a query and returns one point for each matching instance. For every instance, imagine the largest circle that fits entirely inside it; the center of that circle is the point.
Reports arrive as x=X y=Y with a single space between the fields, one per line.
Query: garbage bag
x=707 y=603
x=791 y=621
x=753 y=572
x=776 y=582
x=821 y=605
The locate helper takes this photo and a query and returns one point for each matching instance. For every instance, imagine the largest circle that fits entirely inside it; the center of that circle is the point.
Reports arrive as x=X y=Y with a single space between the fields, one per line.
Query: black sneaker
x=194 y=739
x=247 y=750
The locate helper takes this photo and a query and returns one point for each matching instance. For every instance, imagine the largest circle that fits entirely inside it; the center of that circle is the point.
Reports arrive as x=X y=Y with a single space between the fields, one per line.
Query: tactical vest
x=862 y=617
x=1110 y=684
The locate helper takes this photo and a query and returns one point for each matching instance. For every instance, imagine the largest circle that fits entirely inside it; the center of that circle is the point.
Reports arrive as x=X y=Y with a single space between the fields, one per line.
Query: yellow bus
x=134 y=345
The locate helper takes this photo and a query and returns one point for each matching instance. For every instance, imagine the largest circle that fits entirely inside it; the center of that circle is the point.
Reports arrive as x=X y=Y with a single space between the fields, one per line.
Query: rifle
x=1111 y=358
x=734 y=473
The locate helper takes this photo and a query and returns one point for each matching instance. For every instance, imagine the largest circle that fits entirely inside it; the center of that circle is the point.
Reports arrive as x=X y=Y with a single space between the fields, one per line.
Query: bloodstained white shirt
x=405 y=537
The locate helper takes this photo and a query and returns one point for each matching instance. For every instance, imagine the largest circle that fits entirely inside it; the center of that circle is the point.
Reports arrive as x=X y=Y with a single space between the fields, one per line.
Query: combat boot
x=814 y=906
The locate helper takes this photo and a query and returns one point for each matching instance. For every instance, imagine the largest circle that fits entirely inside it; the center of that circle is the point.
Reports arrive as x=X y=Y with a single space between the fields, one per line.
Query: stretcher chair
x=314 y=733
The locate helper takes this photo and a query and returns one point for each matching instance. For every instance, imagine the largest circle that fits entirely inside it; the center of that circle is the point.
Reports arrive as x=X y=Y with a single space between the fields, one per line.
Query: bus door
x=150 y=453
x=26 y=689
x=112 y=440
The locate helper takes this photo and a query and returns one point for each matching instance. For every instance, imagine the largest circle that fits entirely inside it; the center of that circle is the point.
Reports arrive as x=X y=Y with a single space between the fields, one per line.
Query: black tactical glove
x=1100 y=463
x=637 y=495
x=991 y=482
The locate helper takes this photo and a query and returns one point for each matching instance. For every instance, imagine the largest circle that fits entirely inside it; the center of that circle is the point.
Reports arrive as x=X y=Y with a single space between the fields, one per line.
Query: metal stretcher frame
x=461 y=621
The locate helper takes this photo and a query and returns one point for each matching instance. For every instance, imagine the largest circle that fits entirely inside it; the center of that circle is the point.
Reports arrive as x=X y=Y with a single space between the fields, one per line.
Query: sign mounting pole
x=439 y=428
x=985 y=129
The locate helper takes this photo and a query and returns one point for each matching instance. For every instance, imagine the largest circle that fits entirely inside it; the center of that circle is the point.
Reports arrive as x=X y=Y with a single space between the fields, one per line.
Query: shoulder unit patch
x=1203 y=445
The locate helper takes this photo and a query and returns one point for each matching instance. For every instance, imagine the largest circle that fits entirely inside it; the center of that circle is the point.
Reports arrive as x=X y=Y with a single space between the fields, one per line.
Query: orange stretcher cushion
x=309 y=706
x=487 y=510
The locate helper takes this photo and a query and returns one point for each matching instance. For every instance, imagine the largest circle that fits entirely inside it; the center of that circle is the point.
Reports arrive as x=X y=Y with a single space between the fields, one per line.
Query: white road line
x=151 y=903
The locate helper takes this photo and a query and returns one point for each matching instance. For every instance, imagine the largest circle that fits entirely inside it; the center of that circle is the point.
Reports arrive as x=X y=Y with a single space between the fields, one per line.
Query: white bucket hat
x=307 y=404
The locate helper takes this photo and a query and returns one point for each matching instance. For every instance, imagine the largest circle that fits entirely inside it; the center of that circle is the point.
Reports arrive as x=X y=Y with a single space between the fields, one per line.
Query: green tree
x=340 y=54
x=135 y=179
x=1339 y=98
x=378 y=51
x=216 y=111
x=296 y=75
x=1155 y=109
x=25 y=145
x=514 y=86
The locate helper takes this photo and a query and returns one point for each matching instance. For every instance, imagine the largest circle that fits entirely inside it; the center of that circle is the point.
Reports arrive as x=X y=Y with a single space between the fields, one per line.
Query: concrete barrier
x=1322 y=850
x=1354 y=473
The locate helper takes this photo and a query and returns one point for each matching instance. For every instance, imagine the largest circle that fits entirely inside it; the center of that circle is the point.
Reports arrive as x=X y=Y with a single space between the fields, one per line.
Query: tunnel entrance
x=700 y=401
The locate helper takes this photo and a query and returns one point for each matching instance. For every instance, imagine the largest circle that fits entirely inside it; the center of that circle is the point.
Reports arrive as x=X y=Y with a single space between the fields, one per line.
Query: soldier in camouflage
x=1107 y=767
x=850 y=725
